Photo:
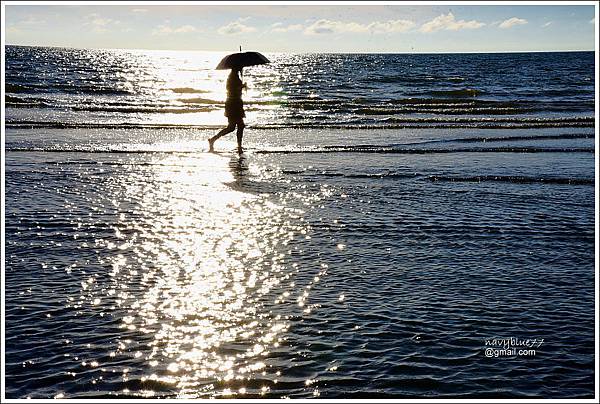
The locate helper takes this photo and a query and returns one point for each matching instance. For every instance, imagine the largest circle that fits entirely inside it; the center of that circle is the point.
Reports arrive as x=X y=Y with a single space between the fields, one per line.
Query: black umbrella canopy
x=242 y=59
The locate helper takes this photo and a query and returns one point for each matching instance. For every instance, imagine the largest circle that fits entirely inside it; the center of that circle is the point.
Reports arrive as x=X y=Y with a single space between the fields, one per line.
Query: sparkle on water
x=188 y=78
x=197 y=270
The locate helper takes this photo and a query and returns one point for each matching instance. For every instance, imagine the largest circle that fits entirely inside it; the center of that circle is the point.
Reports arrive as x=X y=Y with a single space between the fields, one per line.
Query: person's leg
x=240 y=134
x=211 y=141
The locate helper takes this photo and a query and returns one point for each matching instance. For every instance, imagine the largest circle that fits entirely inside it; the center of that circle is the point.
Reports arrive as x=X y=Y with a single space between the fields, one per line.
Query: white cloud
x=278 y=27
x=593 y=20
x=236 y=27
x=99 y=24
x=324 y=26
x=547 y=24
x=184 y=29
x=165 y=29
x=27 y=24
x=139 y=10
x=511 y=22
x=391 y=26
x=449 y=23
x=11 y=29
x=330 y=27
x=31 y=20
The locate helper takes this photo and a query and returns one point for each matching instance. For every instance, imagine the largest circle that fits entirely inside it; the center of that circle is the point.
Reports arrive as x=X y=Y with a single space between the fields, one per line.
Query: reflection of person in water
x=234 y=110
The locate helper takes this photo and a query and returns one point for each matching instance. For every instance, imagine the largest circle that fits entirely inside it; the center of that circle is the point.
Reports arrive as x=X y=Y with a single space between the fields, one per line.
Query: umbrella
x=242 y=59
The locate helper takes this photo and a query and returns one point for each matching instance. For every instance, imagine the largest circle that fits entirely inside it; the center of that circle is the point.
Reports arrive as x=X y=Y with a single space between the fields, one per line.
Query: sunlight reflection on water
x=202 y=265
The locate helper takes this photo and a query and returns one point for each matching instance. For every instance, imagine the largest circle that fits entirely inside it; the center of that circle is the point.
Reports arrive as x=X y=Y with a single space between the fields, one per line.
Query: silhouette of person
x=234 y=110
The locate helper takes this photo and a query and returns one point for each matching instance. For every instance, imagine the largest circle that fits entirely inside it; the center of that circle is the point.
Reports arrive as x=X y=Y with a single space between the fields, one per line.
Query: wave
x=199 y=100
x=444 y=178
x=412 y=80
x=486 y=139
x=501 y=103
x=490 y=120
x=103 y=125
x=515 y=179
x=97 y=150
x=566 y=92
x=370 y=175
x=19 y=102
x=445 y=101
x=465 y=92
x=440 y=110
x=16 y=88
x=126 y=148
x=397 y=150
x=454 y=115
x=457 y=109
x=66 y=88
x=147 y=110
x=582 y=122
x=93 y=90
x=187 y=90
x=425 y=125
x=114 y=106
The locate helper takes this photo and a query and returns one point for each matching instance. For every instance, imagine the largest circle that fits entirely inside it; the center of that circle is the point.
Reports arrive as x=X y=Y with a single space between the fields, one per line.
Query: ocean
x=399 y=226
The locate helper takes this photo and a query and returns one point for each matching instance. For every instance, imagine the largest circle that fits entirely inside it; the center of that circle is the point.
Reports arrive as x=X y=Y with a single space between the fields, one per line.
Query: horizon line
x=317 y=52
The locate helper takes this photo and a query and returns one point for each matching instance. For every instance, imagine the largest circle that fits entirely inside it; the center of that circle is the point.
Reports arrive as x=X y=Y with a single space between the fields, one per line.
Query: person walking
x=234 y=110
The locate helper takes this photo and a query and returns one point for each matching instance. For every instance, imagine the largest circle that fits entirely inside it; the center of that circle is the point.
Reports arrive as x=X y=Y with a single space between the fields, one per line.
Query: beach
x=357 y=249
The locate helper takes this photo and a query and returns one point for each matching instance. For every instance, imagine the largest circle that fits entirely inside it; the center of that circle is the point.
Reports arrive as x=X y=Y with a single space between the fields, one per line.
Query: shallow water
x=338 y=274
x=328 y=261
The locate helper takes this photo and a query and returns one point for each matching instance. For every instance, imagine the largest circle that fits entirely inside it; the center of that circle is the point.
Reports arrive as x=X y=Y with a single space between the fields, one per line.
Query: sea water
x=393 y=221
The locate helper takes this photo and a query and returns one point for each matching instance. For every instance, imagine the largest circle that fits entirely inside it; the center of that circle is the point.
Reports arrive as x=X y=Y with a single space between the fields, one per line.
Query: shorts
x=234 y=110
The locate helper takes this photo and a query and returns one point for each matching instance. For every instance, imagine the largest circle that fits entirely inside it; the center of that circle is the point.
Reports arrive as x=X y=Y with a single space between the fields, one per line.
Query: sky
x=440 y=27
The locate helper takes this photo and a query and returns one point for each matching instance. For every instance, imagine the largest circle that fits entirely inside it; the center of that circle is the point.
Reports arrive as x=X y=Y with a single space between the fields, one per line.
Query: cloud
x=324 y=26
x=278 y=27
x=327 y=27
x=449 y=23
x=593 y=20
x=99 y=24
x=236 y=27
x=11 y=29
x=31 y=20
x=165 y=29
x=139 y=10
x=511 y=22
x=27 y=24
x=547 y=24
x=391 y=26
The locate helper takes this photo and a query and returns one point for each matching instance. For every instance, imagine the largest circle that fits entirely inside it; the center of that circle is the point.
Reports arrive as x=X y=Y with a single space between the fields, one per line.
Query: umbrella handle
x=242 y=73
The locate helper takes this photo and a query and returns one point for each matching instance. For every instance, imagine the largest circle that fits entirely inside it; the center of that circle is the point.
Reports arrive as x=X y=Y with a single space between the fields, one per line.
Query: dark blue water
x=393 y=218
x=54 y=86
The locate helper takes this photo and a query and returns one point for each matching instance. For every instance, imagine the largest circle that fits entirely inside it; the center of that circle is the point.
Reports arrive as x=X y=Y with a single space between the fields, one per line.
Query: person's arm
x=242 y=84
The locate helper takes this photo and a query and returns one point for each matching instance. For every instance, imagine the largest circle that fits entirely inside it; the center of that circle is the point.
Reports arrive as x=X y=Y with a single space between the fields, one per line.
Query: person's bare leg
x=211 y=141
x=240 y=135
